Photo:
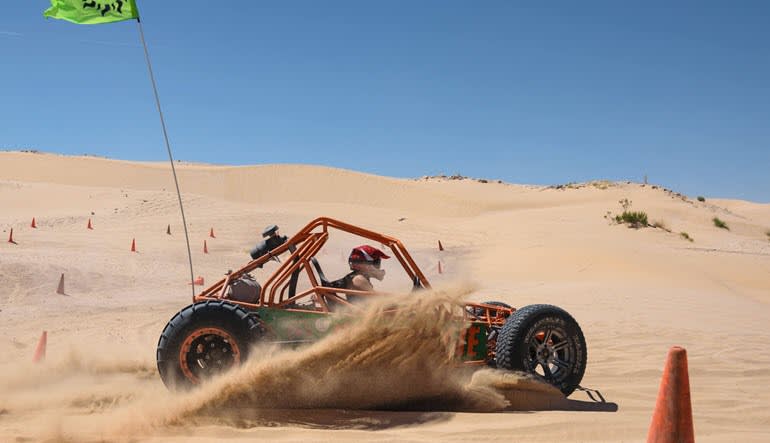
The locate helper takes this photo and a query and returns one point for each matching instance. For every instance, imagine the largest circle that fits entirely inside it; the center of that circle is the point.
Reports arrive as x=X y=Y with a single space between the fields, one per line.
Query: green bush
x=767 y=233
x=685 y=236
x=701 y=198
x=635 y=219
x=720 y=224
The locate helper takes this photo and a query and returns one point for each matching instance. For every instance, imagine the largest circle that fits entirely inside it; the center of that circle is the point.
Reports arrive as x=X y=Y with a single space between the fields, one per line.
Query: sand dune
x=634 y=292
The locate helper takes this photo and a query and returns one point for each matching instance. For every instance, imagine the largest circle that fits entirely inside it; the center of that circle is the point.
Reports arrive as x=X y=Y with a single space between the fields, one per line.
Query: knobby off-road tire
x=543 y=340
x=204 y=339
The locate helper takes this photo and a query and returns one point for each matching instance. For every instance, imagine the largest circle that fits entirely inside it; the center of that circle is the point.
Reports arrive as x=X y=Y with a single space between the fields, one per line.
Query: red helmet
x=366 y=254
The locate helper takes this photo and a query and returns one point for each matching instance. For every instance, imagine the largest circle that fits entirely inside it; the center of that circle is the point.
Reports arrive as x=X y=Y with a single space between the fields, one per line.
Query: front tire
x=203 y=340
x=546 y=341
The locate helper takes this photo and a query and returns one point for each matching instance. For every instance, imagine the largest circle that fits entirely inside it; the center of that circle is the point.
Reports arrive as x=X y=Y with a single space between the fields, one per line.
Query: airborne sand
x=634 y=292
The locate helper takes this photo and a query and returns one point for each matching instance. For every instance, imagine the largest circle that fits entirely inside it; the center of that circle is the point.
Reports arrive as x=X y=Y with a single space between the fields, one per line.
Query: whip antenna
x=168 y=148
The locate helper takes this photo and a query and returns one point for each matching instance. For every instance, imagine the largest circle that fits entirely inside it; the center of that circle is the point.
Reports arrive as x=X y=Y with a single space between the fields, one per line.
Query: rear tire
x=203 y=340
x=546 y=341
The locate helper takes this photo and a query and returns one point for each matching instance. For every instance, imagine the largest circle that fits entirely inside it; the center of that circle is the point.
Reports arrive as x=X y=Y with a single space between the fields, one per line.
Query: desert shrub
x=720 y=224
x=635 y=219
x=767 y=233
x=701 y=198
x=685 y=236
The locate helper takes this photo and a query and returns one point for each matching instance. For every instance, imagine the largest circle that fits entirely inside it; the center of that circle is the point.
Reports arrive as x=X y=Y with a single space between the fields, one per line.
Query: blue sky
x=547 y=94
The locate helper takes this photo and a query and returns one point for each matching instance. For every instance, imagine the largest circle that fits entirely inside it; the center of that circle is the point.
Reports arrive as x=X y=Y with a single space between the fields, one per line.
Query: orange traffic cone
x=90 y=226
x=33 y=224
x=168 y=230
x=40 y=349
x=440 y=246
x=205 y=247
x=672 y=419
x=211 y=233
x=133 y=245
x=10 y=237
x=60 y=288
x=440 y=270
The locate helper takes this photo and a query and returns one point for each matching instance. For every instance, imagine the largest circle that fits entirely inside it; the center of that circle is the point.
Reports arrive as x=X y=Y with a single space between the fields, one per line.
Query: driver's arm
x=360 y=283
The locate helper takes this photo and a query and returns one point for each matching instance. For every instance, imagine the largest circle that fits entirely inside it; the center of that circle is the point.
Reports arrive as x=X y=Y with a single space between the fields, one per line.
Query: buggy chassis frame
x=278 y=291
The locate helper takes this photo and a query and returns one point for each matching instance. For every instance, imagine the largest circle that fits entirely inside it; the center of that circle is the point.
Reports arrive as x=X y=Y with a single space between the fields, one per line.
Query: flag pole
x=168 y=148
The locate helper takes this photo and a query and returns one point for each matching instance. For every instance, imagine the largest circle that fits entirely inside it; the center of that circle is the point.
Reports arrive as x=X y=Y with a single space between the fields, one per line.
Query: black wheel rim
x=208 y=353
x=551 y=354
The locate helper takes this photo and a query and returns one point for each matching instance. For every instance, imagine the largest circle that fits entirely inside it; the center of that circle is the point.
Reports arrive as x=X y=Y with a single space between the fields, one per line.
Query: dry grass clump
x=601 y=184
x=720 y=224
x=686 y=236
x=660 y=224
x=598 y=184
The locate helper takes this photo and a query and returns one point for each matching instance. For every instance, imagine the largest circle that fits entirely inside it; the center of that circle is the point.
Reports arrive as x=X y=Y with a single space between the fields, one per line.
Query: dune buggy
x=216 y=331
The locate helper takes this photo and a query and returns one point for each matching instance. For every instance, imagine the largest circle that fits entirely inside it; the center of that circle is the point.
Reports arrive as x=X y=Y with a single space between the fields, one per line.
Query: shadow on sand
x=410 y=414
x=338 y=419
x=525 y=400
x=597 y=403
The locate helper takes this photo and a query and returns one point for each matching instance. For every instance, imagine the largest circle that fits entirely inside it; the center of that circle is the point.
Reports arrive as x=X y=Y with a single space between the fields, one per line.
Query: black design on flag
x=117 y=5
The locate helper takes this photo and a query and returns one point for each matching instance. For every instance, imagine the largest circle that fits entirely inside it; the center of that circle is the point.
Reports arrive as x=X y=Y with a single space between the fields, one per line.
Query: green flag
x=92 y=12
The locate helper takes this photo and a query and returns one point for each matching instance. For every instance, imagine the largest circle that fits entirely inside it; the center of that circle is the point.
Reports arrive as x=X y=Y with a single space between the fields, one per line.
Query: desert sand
x=635 y=293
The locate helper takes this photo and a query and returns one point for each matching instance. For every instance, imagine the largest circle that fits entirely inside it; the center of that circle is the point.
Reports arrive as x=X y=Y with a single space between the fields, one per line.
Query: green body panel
x=297 y=327
x=475 y=343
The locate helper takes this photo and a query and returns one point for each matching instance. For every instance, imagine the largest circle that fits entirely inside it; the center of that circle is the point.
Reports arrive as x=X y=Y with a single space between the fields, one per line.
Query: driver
x=364 y=262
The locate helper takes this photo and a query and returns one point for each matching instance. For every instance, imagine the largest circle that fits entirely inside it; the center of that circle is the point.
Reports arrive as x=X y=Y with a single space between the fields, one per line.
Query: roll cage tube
x=303 y=246
x=395 y=245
